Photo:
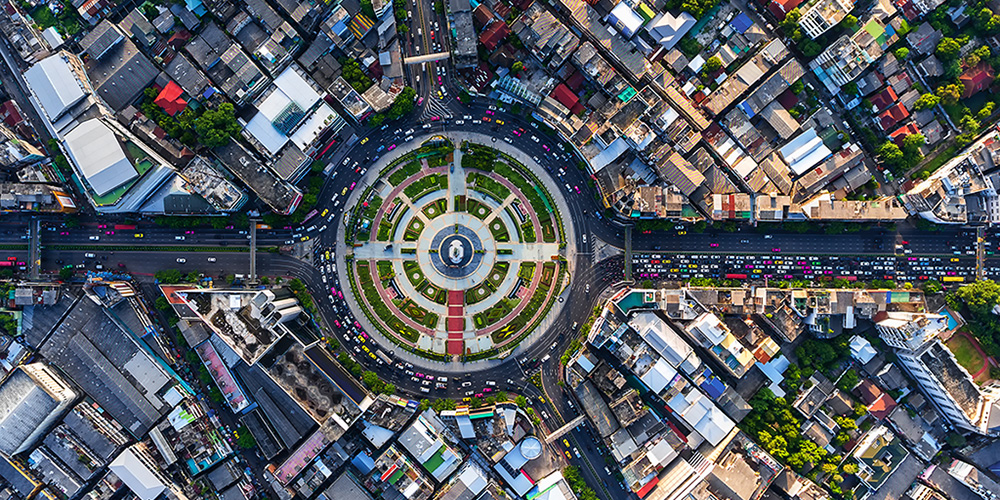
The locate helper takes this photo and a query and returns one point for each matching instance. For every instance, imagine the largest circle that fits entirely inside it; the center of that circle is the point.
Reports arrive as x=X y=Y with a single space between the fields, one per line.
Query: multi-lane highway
x=858 y=252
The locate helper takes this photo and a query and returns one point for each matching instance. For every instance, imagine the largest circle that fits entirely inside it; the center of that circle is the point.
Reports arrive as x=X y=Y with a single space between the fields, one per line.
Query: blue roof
x=712 y=385
x=995 y=468
x=741 y=23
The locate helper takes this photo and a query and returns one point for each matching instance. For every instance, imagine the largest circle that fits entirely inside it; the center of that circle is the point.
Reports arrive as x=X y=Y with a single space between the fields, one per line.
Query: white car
x=211 y=259
x=95 y=238
x=181 y=260
x=89 y=255
x=179 y=238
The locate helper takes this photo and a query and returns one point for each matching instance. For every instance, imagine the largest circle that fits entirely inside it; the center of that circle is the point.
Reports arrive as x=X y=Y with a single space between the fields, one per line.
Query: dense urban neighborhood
x=500 y=249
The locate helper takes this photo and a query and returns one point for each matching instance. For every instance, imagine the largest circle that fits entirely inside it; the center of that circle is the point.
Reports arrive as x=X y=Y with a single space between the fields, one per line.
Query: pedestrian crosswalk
x=435 y=107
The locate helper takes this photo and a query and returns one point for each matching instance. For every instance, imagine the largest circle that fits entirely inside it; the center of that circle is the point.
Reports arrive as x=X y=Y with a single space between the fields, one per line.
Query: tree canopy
x=948 y=49
x=926 y=101
x=216 y=126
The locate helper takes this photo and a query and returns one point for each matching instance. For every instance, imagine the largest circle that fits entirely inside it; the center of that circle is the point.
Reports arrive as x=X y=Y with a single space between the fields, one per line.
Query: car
x=713 y=245
x=365 y=140
x=568 y=455
x=499 y=122
x=89 y=255
x=95 y=238
x=181 y=260
x=566 y=442
x=139 y=235
x=179 y=238
x=744 y=241
x=391 y=147
x=507 y=140
x=424 y=390
x=351 y=187
x=577 y=188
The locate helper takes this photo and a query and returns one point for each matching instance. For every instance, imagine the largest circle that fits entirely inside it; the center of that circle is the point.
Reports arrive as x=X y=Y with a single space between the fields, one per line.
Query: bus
x=6 y=263
x=953 y=279
x=122 y=227
x=383 y=356
x=736 y=276
x=848 y=278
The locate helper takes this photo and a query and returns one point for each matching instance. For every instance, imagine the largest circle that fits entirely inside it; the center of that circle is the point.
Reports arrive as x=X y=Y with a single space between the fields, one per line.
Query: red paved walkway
x=456 y=321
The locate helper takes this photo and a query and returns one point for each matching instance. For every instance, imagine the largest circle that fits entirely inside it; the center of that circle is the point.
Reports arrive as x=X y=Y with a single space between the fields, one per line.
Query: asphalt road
x=585 y=213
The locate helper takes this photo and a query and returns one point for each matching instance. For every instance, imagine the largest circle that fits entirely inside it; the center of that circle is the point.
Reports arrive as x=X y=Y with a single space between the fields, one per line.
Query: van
x=546 y=358
x=575 y=324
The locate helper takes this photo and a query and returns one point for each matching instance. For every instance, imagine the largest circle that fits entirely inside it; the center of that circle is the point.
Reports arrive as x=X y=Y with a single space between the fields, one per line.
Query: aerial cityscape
x=500 y=249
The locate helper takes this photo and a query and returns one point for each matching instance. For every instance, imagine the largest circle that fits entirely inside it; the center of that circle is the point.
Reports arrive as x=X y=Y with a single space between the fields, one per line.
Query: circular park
x=455 y=253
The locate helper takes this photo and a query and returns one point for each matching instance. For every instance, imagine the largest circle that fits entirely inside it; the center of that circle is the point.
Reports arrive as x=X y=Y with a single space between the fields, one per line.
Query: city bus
x=953 y=279
x=123 y=227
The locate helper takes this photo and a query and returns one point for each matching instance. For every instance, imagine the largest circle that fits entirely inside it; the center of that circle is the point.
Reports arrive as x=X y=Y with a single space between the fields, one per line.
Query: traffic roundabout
x=455 y=252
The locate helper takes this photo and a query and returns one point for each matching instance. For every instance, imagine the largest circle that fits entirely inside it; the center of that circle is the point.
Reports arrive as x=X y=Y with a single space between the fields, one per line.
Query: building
x=904 y=330
x=116 y=68
x=822 y=15
x=952 y=389
x=21 y=197
x=280 y=196
x=15 y=151
x=878 y=455
x=976 y=79
x=291 y=116
x=846 y=58
x=668 y=29
x=977 y=480
x=58 y=84
x=32 y=399
x=139 y=472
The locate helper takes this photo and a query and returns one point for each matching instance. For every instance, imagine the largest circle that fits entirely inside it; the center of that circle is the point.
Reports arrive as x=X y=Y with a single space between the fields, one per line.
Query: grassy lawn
x=936 y=162
x=966 y=353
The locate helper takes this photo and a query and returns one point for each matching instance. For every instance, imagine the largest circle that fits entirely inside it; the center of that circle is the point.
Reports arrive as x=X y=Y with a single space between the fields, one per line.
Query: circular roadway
x=464 y=264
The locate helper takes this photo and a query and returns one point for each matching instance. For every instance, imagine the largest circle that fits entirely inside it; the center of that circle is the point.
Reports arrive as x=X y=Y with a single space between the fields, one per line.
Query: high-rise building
x=32 y=399
x=952 y=390
x=906 y=330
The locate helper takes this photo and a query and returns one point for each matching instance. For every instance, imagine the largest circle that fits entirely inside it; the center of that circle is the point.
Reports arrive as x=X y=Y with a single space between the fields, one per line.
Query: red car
x=713 y=245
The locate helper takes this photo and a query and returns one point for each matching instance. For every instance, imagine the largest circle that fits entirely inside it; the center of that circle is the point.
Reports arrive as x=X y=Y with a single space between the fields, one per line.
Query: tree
x=66 y=273
x=244 y=438
x=798 y=87
x=968 y=122
x=848 y=380
x=891 y=155
x=985 y=111
x=696 y=8
x=932 y=286
x=950 y=93
x=828 y=468
x=850 y=468
x=168 y=276
x=948 y=49
x=810 y=48
x=851 y=88
x=901 y=53
x=926 y=101
x=790 y=25
x=911 y=147
x=516 y=67
x=713 y=64
x=162 y=303
x=215 y=126
x=849 y=21
x=520 y=401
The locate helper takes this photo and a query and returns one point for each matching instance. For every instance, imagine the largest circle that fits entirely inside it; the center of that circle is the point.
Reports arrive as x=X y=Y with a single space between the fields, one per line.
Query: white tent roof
x=627 y=17
x=137 y=476
x=54 y=83
x=95 y=149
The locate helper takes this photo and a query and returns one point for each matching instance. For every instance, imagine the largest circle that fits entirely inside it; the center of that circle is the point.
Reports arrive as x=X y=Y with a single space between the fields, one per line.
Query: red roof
x=900 y=133
x=882 y=406
x=909 y=11
x=179 y=39
x=883 y=99
x=494 y=34
x=976 y=79
x=565 y=96
x=646 y=488
x=781 y=7
x=890 y=117
x=170 y=99
x=10 y=114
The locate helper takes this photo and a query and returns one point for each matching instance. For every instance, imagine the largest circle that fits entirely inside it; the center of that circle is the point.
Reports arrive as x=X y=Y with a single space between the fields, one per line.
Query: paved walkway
x=544 y=249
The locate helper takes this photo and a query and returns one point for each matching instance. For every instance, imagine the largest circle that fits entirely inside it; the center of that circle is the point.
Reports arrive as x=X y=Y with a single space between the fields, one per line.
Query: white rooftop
x=137 y=476
x=658 y=376
x=627 y=17
x=861 y=349
x=96 y=151
x=289 y=87
x=55 y=85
